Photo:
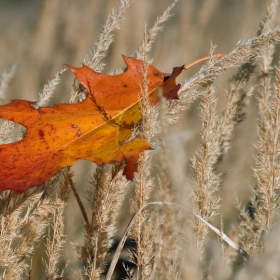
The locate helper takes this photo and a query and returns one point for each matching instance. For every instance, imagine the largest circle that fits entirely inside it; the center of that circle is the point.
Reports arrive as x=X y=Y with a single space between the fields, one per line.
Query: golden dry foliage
x=208 y=147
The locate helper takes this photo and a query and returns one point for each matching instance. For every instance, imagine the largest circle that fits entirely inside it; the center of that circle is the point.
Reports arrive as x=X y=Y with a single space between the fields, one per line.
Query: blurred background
x=43 y=35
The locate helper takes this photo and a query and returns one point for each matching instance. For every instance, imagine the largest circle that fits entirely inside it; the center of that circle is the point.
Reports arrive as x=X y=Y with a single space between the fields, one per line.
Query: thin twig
x=79 y=202
x=130 y=224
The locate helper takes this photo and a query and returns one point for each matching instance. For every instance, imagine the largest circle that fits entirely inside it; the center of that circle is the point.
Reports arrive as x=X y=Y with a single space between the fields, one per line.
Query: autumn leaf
x=96 y=129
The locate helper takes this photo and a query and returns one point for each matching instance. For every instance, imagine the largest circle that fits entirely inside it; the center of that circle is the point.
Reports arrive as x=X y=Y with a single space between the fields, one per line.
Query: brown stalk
x=82 y=208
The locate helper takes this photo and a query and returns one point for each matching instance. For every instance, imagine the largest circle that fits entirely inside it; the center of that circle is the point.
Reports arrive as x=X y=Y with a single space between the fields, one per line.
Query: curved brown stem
x=79 y=202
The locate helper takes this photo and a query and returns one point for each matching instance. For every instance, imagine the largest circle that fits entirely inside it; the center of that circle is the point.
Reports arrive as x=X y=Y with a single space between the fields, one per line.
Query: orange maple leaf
x=97 y=129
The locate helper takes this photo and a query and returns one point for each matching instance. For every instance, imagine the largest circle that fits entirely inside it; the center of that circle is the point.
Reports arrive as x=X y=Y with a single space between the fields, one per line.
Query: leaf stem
x=203 y=59
x=79 y=202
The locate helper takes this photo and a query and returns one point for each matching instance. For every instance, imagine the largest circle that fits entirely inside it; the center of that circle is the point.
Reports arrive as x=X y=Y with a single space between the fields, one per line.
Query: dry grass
x=209 y=147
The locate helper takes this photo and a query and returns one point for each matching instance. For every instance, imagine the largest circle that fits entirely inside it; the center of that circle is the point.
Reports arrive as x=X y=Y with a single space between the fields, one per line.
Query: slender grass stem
x=82 y=208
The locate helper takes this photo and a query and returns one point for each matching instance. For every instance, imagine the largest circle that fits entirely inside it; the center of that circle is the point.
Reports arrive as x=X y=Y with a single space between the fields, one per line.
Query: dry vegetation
x=216 y=157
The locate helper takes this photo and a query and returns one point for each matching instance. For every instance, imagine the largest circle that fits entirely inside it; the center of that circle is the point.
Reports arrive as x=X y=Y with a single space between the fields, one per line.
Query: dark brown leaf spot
x=41 y=133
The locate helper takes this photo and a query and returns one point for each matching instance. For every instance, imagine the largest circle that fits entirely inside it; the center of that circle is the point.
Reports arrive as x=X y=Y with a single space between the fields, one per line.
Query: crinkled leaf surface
x=96 y=129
